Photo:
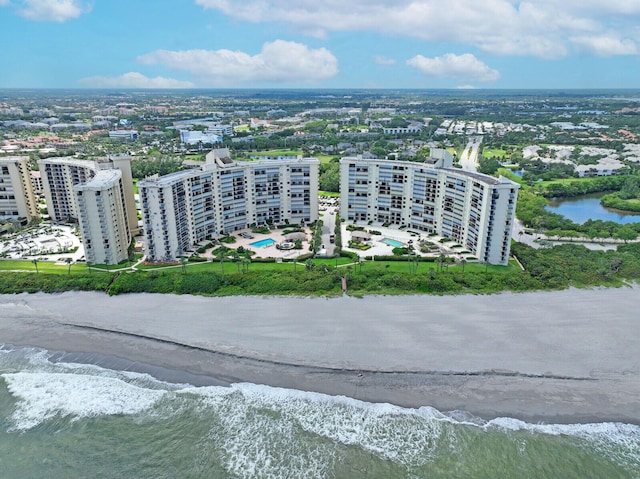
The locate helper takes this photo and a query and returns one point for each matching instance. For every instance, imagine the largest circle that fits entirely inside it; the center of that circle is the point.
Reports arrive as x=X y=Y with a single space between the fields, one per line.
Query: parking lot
x=45 y=242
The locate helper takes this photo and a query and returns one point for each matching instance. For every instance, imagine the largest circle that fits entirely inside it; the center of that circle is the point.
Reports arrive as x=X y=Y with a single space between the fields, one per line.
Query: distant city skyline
x=309 y=44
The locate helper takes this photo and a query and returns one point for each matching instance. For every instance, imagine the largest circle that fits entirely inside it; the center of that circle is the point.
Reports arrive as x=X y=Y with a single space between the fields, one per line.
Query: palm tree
x=35 y=263
x=432 y=273
x=183 y=264
x=89 y=266
x=222 y=264
x=463 y=262
x=68 y=261
x=441 y=259
x=309 y=264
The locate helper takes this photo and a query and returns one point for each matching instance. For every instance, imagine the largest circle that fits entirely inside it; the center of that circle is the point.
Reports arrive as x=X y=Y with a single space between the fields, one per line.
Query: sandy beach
x=566 y=356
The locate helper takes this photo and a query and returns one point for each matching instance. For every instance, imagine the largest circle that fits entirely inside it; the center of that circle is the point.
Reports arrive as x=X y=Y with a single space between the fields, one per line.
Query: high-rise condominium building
x=474 y=210
x=181 y=209
x=99 y=195
x=17 y=199
x=102 y=216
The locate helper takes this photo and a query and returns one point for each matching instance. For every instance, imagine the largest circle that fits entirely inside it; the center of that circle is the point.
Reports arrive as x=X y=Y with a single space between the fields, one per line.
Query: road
x=469 y=157
x=328 y=227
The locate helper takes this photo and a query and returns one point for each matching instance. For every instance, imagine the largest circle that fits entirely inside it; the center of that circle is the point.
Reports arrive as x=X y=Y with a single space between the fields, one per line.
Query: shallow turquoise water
x=261 y=243
x=73 y=420
x=390 y=242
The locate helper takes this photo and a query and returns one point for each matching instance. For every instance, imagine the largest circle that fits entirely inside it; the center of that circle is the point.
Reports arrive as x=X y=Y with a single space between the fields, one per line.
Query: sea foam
x=42 y=396
x=405 y=436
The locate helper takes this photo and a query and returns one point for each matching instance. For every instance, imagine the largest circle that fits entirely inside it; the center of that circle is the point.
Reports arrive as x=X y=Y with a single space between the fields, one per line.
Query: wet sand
x=566 y=356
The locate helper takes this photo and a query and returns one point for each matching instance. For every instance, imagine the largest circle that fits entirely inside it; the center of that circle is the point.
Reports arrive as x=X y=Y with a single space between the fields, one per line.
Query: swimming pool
x=390 y=242
x=261 y=243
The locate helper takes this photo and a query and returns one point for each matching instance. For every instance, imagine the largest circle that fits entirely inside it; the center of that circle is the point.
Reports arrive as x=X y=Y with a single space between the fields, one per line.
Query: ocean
x=68 y=420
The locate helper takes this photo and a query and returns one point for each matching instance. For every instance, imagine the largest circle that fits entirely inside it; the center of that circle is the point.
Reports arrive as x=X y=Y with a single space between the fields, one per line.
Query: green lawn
x=324 y=158
x=321 y=158
x=231 y=267
x=277 y=153
x=507 y=173
x=493 y=153
x=43 y=266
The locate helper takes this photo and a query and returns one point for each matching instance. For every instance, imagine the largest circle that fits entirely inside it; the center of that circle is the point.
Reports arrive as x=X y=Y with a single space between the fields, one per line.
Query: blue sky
x=319 y=44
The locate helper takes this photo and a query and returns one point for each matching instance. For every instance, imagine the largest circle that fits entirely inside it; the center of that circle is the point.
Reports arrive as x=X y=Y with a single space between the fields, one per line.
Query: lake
x=582 y=208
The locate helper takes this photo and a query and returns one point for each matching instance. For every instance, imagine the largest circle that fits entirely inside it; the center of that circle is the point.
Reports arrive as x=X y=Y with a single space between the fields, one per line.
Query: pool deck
x=268 y=251
x=378 y=248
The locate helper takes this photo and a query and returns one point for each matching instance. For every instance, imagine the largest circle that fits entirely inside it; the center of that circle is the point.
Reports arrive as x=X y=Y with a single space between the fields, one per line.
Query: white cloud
x=462 y=67
x=380 y=60
x=541 y=28
x=279 y=61
x=52 y=10
x=4 y=3
x=606 y=45
x=133 y=80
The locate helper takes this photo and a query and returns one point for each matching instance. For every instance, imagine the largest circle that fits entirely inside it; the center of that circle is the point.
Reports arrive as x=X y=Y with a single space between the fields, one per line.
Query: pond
x=585 y=207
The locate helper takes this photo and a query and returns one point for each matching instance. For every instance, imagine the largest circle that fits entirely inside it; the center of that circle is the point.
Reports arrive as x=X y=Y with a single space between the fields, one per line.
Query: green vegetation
x=493 y=153
x=552 y=268
x=488 y=166
x=576 y=187
x=628 y=198
x=329 y=179
x=154 y=166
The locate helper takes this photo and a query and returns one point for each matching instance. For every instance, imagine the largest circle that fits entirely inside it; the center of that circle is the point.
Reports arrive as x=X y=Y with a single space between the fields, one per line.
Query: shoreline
x=555 y=357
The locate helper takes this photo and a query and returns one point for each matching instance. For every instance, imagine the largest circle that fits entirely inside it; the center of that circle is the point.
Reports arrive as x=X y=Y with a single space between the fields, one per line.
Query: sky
x=420 y=44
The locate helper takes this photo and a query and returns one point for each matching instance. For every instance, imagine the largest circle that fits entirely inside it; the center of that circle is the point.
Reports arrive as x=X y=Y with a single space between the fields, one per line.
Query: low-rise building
x=131 y=135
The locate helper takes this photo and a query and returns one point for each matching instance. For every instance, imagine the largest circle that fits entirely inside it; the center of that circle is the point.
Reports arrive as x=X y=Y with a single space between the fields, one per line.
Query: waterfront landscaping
x=544 y=269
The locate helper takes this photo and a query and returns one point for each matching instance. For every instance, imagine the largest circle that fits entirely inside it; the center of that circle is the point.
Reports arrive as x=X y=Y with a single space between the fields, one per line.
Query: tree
x=222 y=264
x=35 y=263
x=245 y=265
x=463 y=262
x=488 y=166
x=68 y=261
x=309 y=264
x=626 y=233
x=183 y=264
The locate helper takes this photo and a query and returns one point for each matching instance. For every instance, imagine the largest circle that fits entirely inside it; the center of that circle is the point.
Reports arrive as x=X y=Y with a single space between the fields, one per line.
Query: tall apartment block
x=17 y=199
x=102 y=217
x=181 y=209
x=472 y=209
x=99 y=195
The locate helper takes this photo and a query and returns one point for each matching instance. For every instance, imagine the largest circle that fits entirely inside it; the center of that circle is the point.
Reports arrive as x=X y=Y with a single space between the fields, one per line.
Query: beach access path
x=565 y=356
